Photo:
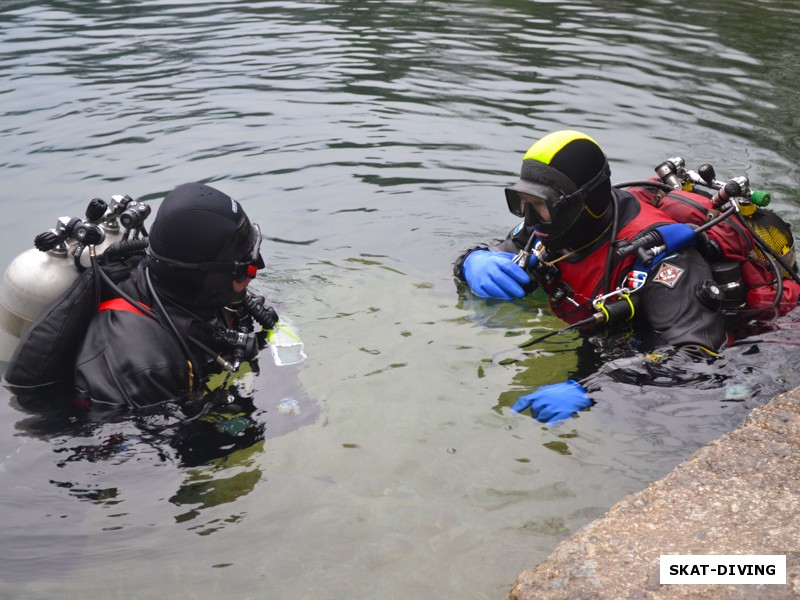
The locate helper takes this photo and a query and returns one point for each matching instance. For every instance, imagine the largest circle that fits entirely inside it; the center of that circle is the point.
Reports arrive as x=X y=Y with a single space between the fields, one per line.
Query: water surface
x=371 y=141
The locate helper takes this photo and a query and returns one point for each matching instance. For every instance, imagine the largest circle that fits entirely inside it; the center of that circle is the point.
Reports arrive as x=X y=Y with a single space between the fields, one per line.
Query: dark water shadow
x=64 y=462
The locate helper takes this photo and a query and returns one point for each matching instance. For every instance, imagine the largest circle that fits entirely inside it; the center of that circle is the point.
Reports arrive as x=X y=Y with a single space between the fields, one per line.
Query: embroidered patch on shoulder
x=669 y=275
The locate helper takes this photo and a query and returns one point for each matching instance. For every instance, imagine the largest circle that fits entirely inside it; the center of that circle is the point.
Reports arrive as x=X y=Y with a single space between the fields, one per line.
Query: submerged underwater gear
x=200 y=242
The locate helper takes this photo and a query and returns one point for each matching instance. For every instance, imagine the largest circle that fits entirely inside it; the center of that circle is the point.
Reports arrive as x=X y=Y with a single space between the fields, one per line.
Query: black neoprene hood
x=573 y=165
x=198 y=235
x=197 y=223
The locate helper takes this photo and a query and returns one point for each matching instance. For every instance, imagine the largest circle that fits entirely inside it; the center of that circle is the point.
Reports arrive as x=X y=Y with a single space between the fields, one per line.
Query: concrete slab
x=738 y=495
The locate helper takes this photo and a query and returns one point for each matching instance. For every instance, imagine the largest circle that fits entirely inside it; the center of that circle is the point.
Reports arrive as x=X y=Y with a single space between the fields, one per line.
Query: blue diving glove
x=551 y=404
x=495 y=275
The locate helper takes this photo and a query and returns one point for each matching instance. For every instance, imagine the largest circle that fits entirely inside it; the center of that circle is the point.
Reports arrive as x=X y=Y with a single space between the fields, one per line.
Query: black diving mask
x=527 y=197
x=240 y=270
x=545 y=201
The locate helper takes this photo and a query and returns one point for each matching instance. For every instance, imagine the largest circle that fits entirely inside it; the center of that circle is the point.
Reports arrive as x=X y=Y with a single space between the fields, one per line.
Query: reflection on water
x=372 y=141
x=111 y=459
x=228 y=479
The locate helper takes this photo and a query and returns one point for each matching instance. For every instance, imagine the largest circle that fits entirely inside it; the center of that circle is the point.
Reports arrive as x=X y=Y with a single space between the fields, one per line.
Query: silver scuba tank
x=39 y=276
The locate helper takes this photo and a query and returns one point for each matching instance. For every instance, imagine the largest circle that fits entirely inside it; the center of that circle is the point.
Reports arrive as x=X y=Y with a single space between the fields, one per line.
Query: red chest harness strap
x=123 y=305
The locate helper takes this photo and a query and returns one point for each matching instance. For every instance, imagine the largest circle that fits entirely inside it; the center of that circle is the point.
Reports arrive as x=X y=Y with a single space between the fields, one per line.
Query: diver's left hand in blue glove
x=551 y=404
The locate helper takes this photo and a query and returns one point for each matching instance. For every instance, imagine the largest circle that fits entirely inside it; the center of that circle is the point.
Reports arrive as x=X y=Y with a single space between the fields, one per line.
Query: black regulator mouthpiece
x=544 y=273
x=264 y=316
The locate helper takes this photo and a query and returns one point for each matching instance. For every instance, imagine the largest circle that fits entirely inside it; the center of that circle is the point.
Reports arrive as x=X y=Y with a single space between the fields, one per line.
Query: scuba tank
x=773 y=230
x=46 y=355
x=38 y=277
x=773 y=234
x=750 y=248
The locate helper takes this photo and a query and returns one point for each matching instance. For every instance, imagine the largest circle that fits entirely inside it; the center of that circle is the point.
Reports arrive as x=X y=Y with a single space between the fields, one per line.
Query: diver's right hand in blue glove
x=494 y=275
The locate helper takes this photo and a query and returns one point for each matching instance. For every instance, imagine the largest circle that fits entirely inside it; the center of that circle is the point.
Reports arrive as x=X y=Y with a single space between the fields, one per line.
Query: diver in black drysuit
x=666 y=315
x=173 y=316
x=565 y=196
x=130 y=358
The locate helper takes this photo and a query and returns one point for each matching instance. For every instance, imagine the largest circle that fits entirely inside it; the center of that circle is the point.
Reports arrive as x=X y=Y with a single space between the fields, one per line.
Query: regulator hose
x=119 y=290
x=187 y=353
x=150 y=313
x=265 y=316
x=778 y=293
x=544 y=337
x=645 y=183
x=619 y=310
x=125 y=248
